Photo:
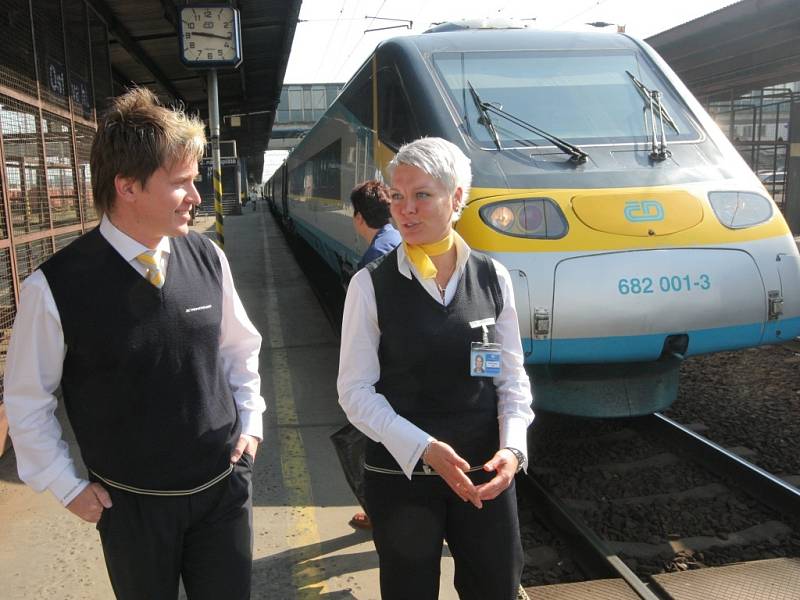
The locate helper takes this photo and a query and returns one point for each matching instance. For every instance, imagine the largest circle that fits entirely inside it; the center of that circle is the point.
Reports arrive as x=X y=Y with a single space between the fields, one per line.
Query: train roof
x=505 y=39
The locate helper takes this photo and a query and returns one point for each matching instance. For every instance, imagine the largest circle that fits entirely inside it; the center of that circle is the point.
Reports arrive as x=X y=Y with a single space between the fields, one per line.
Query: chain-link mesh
x=101 y=63
x=8 y=309
x=61 y=181
x=83 y=144
x=32 y=254
x=65 y=239
x=22 y=145
x=3 y=220
x=18 y=67
x=80 y=81
x=49 y=35
x=35 y=68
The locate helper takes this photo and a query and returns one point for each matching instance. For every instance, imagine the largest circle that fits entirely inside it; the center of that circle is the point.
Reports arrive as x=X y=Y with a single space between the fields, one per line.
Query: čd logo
x=644 y=210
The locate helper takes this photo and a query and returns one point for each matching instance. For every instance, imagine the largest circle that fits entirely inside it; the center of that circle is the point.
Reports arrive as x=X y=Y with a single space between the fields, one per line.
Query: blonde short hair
x=137 y=136
x=440 y=159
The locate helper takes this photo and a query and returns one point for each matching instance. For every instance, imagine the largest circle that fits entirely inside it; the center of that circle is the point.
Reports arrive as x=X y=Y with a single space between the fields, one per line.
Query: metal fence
x=758 y=125
x=55 y=75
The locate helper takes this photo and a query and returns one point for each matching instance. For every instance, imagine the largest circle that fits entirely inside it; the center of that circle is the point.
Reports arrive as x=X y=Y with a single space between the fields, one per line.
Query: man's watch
x=520 y=457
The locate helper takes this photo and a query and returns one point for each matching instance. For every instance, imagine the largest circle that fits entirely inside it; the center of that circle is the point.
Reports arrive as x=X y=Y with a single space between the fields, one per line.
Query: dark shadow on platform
x=303 y=570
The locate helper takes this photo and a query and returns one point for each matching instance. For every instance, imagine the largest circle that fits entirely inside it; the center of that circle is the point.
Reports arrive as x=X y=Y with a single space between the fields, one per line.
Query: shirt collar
x=127 y=247
x=405 y=267
x=384 y=229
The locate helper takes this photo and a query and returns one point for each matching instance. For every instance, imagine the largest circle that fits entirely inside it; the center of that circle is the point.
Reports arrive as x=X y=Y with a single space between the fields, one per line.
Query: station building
x=301 y=105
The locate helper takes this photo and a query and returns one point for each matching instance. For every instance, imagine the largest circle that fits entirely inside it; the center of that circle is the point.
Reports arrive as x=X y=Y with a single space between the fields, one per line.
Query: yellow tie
x=419 y=254
x=151 y=262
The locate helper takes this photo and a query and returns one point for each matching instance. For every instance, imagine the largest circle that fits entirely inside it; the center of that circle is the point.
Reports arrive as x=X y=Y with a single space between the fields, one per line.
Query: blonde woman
x=445 y=443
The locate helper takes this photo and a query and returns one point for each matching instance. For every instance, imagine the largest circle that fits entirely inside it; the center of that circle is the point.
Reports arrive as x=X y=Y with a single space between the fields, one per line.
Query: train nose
x=638 y=304
x=639 y=214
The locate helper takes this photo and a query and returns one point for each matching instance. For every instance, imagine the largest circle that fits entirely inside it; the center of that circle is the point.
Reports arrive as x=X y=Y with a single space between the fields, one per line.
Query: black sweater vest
x=424 y=355
x=143 y=381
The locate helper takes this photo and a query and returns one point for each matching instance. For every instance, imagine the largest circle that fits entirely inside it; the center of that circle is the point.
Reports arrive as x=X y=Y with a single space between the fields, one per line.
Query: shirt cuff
x=514 y=434
x=67 y=486
x=405 y=442
x=252 y=423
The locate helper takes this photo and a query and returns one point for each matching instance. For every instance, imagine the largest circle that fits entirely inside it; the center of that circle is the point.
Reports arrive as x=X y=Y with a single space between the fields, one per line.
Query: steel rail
x=590 y=552
x=762 y=485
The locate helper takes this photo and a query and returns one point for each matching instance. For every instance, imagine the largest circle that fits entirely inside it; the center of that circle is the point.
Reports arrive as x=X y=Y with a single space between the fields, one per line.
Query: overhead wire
x=582 y=12
x=330 y=38
x=350 y=21
x=360 y=39
x=377 y=14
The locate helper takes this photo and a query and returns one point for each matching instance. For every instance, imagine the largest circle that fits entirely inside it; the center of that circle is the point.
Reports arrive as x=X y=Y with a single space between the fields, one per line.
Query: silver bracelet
x=519 y=455
x=425 y=453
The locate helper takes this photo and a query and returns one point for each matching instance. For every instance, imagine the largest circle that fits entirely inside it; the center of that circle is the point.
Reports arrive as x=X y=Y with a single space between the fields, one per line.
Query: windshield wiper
x=653 y=99
x=576 y=155
x=484 y=118
x=647 y=95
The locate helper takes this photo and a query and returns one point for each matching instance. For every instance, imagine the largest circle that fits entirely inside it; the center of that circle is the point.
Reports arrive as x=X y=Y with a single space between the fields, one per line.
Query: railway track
x=630 y=499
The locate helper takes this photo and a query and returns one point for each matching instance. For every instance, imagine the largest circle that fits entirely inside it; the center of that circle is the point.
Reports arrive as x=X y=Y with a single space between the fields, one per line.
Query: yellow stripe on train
x=618 y=219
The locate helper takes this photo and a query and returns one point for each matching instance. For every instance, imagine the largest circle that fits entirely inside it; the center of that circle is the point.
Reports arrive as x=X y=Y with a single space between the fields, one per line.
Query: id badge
x=484 y=360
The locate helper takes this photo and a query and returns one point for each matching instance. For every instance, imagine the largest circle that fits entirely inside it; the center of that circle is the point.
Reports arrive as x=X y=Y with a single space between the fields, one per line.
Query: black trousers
x=205 y=538
x=410 y=521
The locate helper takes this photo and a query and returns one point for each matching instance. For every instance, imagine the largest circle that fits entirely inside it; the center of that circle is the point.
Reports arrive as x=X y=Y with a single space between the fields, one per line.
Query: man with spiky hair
x=138 y=322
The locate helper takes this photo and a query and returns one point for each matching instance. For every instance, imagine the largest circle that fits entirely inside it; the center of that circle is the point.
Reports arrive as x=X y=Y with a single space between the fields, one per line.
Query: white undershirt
x=35 y=360
x=359 y=368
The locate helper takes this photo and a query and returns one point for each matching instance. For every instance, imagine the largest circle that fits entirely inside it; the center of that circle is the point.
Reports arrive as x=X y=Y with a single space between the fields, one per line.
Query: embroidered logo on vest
x=196 y=308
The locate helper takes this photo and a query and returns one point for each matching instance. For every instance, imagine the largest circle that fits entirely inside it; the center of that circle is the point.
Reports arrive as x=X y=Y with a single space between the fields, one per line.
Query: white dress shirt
x=359 y=367
x=36 y=355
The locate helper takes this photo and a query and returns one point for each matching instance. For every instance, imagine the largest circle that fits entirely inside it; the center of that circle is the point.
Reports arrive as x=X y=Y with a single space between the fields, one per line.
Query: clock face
x=210 y=35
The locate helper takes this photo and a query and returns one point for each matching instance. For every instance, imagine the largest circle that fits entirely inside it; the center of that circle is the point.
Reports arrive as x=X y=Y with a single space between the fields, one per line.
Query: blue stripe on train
x=649 y=347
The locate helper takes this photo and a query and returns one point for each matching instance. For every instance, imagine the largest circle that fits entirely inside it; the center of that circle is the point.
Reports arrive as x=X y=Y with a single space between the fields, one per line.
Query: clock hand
x=215 y=35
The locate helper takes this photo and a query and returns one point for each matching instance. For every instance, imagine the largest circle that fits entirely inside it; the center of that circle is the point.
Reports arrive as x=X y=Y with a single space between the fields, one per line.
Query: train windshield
x=583 y=97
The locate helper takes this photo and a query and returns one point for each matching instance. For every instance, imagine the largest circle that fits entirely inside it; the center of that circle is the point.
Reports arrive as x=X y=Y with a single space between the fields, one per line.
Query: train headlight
x=501 y=217
x=737 y=210
x=526 y=217
x=531 y=218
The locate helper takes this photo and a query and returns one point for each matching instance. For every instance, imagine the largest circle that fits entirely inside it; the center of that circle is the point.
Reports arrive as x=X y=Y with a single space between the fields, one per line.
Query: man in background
x=371 y=220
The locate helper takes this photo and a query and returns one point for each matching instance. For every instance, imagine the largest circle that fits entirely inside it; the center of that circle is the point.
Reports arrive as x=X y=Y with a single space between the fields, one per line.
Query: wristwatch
x=520 y=457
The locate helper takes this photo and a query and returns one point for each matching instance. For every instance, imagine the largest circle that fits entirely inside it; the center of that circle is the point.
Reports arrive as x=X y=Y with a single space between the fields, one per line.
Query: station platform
x=304 y=548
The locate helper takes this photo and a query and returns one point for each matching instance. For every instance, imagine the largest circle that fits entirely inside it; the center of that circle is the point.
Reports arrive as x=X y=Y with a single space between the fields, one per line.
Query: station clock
x=210 y=36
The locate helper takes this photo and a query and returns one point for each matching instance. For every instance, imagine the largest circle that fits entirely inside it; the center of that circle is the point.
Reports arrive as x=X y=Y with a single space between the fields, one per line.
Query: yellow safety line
x=309 y=580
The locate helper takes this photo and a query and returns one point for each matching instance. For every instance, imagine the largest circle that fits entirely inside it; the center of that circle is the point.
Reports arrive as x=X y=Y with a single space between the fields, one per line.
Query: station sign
x=226 y=161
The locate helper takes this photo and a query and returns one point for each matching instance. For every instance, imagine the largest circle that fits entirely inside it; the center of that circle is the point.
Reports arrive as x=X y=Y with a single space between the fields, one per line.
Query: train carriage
x=634 y=232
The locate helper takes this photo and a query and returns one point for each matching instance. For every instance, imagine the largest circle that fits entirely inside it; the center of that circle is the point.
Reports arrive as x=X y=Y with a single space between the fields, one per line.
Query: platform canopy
x=144 y=50
x=748 y=45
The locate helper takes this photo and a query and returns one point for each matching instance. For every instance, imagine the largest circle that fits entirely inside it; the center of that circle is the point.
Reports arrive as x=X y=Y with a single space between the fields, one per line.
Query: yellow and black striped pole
x=217 y=178
x=213 y=126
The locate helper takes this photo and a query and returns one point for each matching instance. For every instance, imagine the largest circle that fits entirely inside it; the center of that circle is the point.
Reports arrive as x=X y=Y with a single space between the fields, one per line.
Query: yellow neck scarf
x=419 y=254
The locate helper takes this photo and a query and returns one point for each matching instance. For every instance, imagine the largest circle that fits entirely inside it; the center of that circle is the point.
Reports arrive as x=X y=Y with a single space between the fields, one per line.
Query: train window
x=396 y=122
x=295 y=104
x=320 y=175
x=584 y=97
x=357 y=97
